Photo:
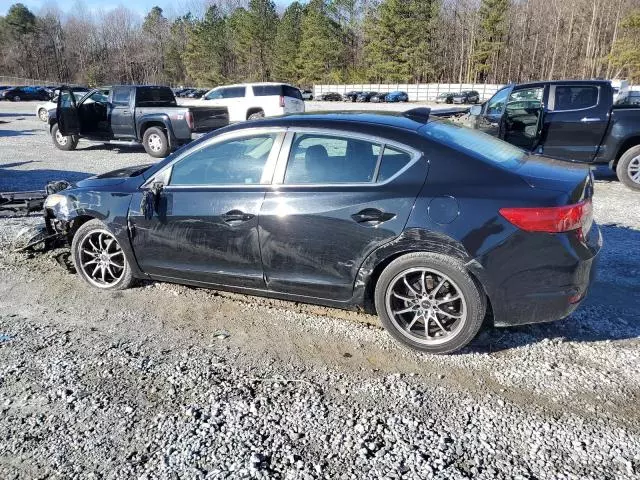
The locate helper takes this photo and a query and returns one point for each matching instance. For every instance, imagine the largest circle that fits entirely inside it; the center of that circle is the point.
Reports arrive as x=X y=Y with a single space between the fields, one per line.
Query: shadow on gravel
x=15 y=133
x=611 y=310
x=27 y=180
x=112 y=148
x=7 y=114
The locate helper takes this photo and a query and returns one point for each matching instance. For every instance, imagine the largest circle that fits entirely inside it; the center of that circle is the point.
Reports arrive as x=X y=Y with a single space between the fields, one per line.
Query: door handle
x=590 y=120
x=372 y=215
x=126 y=112
x=235 y=216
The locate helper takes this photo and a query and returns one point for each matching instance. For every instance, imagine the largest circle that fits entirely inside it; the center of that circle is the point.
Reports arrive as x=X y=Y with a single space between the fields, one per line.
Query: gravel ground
x=166 y=381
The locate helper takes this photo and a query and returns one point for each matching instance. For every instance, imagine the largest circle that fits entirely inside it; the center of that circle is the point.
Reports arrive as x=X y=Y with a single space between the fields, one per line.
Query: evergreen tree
x=262 y=26
x=287 y=44
x=179 y=33
x=625 y=54
x=207 y=51
x=493 y=14
x=322 y=53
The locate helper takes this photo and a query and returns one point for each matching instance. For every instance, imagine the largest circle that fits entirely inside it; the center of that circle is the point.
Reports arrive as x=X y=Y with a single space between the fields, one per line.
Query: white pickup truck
x=255 y=100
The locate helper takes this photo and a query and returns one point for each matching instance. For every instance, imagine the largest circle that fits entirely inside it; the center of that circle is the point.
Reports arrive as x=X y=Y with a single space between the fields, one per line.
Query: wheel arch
x=626 y=145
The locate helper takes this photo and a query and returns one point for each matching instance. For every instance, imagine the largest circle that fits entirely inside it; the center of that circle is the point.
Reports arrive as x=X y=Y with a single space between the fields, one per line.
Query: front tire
x=628 y=168
x=16 y=98
x=429 y=302
x=63 y=142
x=99 y=259
x=155 y=142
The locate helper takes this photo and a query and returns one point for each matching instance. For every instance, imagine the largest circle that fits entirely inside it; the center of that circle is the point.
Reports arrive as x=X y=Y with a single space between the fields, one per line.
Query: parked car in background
x=329 y=97
x=338 y=210
x=378 y=98
x=185 y=92
x=572 y=120
x=445 y=97
x=307 y=94
x=255 y=100
x=365 y=96
x=131 y=115
x=197 y=93
x=17 y=94
x=43 y=110
x=468 y=96
x=397 y=96
x=351 y=96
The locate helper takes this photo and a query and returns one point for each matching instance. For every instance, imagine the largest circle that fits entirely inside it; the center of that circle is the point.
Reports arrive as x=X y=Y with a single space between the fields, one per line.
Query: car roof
x=541 y=83
x=252 y=84
x=338 y=119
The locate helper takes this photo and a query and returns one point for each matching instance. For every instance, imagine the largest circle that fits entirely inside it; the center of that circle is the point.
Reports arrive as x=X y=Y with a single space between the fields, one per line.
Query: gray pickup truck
x=131 y=114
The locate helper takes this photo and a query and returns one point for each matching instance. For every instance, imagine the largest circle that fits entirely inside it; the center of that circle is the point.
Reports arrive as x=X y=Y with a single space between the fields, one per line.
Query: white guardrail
x=416 y=91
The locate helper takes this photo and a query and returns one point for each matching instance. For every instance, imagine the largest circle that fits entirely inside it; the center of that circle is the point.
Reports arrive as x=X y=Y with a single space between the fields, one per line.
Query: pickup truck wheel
x=63 y=142
x=628 y=168
x=155 y=142
x=43 y=114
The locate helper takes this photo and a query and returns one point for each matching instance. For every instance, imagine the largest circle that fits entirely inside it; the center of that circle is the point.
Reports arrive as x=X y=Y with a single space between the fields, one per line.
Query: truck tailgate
x=206 y=119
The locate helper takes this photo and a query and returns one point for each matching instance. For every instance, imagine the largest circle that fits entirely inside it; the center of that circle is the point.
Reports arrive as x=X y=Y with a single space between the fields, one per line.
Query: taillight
x=189 y=118
x=551 y=219
x=282 y=101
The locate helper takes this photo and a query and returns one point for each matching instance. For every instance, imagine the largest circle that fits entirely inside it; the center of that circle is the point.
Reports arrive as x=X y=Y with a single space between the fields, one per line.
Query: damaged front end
x=46 y=235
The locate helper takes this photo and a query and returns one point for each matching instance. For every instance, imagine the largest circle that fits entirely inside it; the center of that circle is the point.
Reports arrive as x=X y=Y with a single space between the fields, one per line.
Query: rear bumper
x=546 y=285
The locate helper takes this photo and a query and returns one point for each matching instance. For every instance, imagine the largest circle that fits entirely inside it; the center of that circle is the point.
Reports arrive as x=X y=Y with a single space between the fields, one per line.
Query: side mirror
x=475 y=110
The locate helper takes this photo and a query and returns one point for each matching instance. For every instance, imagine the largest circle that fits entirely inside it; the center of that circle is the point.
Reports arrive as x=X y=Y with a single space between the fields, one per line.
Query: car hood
x=114 y=177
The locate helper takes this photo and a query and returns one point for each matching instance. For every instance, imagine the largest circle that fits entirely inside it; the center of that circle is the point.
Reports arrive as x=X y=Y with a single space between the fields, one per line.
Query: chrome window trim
x=552 y=98
x=283 y=159
x=267 y=173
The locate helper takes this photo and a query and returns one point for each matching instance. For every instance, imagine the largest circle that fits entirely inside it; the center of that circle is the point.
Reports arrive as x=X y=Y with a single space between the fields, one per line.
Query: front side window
x=231 y=162
x=575 y=97
x=495 y=106
x=322 y=159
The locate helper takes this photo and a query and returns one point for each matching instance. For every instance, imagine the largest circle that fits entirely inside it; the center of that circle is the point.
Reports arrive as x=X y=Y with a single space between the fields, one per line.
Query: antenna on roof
x=419 y=114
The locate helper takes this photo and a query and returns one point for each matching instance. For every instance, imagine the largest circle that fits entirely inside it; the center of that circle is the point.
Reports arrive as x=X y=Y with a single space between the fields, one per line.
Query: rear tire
x=16 y=98
x=99 y=259
x=155 y=142
x=256 y=115
x=43 y=114
x=63 y=142
x=429 y=302
x=628 y=168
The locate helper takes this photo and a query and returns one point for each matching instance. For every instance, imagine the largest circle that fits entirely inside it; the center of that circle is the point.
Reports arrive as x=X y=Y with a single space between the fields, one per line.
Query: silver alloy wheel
x=155 y=142
x=61 y=139
x=101 y=259
x=16 y=98
x=633 y=169
x=426 y=306
x=43 y=114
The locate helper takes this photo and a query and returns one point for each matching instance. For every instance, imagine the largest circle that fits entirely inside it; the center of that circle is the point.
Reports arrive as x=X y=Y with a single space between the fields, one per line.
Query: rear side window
x=151 y=96
x=393 y=160
x=232 y=162
x=292 y=92
x=267 y=90
x=121 y=97
x=575 y=97
x=326 y=159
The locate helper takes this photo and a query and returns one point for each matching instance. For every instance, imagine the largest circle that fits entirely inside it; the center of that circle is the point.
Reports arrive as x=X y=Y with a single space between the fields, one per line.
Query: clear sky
x=141 y=6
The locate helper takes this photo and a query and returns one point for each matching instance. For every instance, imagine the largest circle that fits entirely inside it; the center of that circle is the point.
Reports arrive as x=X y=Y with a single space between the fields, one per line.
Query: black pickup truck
x=130 y=114
x=573 y=120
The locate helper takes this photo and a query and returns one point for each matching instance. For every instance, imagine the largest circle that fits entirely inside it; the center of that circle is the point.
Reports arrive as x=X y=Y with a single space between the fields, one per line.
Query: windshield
x=474 y=143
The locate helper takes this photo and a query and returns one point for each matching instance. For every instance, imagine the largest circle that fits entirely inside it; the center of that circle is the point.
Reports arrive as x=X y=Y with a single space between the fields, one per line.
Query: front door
x=575 y=123
x=490 y=118
x=522 y=118
x=338 y=198
x=67 y=113
x=204 y=228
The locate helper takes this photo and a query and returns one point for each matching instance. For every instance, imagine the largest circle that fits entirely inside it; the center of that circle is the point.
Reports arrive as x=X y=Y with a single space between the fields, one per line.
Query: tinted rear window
x=474 y=143
x=151 y=96
x=276 y=90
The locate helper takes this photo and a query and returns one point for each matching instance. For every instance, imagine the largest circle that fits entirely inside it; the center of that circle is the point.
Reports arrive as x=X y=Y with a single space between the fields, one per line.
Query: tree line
x=327 y=41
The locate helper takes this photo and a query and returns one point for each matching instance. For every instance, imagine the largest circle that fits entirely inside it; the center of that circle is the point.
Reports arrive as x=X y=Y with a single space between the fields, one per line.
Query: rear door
x=122 y=108
x=67 y=113
x=575 y=122
x=338 y=197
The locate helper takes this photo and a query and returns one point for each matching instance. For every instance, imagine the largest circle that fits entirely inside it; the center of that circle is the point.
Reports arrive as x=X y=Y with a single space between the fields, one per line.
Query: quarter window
x=317 y=159
x=231 y=162
x=575 y=97
x=392 y=162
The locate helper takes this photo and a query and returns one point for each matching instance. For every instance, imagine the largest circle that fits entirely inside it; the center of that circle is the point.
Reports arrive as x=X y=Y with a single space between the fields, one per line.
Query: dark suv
x=429 y=224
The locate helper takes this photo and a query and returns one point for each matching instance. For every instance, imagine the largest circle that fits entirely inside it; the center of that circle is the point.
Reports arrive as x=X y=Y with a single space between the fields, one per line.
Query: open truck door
x=67 y=113
x=523 y=118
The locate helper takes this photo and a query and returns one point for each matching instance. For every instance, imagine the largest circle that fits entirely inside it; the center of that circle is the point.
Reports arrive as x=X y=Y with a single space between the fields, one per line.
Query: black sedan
x=429 y=224
x=365 y=96
x=329 y=97
x=17 y=94
x=378 y=98
x=351 y=96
